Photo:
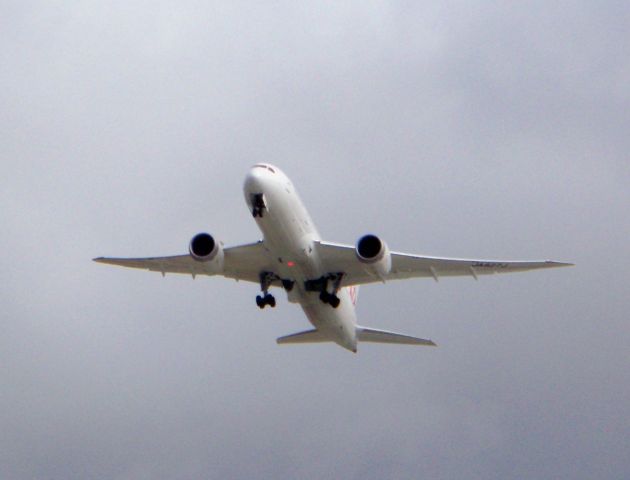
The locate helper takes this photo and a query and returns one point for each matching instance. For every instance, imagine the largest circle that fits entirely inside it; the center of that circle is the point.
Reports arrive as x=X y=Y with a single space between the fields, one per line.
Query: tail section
x=365 y=334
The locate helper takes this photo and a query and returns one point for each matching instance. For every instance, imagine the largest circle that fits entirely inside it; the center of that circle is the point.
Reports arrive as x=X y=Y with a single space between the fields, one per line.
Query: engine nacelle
x=374 y=253
x=204 y=248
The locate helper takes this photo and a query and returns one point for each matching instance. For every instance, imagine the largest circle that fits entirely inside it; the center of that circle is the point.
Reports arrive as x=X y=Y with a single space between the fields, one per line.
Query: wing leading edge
x=338 y=257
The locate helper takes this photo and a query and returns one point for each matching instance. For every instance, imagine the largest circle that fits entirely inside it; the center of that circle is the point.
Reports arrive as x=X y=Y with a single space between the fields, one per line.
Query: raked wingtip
x=553 y=263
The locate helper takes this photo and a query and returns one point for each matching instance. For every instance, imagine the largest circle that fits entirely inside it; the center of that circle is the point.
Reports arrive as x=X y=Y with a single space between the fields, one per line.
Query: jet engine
x=204 y=248
x=374 y=253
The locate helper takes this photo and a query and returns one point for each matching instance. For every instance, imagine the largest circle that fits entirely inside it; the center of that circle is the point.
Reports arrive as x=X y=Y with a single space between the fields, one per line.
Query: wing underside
x=342 y=258
x=243 y=262
x=246 y=262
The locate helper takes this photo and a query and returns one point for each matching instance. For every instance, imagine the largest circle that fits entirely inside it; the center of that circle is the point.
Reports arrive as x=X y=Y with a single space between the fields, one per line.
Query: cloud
x=451 y=129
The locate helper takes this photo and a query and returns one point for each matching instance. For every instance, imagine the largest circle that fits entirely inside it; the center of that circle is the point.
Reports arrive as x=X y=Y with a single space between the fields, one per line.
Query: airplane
x=322 y=277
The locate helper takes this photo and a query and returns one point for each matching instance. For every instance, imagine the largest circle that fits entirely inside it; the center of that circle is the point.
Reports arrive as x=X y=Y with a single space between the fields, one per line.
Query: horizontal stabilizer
x=309 y=336
x=365 y=334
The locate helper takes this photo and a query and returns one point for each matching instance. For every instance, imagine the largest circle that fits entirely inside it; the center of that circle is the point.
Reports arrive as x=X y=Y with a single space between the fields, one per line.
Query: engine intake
x=374 y=253
x=204 y=248
x=369 y=247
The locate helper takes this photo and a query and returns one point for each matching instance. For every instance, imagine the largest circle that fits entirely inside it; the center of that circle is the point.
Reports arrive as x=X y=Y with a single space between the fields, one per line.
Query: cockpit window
x=260 y=165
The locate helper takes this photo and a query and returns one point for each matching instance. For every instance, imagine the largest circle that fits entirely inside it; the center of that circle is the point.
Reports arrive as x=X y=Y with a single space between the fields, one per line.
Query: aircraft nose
x=253 y=181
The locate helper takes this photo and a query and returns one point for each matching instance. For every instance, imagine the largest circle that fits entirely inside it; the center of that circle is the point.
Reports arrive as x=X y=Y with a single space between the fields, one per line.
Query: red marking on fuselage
x=353 y=294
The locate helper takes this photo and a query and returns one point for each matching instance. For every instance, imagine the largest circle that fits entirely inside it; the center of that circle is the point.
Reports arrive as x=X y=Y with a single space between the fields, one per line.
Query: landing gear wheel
x=329 y=298
x=334 y=301
x=270 y=300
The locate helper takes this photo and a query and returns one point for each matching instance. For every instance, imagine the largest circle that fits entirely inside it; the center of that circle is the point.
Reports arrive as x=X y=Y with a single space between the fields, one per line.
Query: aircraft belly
x=289 y=236
x=287 y=241
x=339 y=324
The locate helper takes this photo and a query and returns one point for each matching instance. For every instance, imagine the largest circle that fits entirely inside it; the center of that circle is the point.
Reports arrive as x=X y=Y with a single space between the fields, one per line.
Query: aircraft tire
x=324 y=297
x=270 y=300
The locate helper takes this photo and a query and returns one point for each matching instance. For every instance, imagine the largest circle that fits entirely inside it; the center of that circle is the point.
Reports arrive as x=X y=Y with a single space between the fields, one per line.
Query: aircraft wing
x=243 y=262
x=341 y=258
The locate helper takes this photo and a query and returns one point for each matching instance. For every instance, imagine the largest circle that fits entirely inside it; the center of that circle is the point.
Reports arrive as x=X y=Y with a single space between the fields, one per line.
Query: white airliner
x=322 y=277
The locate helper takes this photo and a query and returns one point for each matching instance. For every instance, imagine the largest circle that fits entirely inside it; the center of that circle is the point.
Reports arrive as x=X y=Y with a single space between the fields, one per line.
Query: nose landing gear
x=258 y=205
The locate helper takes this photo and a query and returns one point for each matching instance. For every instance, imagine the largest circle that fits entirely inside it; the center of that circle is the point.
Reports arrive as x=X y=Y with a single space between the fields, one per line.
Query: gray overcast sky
x=492 y=130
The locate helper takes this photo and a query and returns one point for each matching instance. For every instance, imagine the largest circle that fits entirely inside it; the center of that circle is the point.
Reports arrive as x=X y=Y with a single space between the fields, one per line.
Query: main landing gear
x=266 y=278
x=327 y=287
x=330 y=298
x=266 y=298
x=321 y=285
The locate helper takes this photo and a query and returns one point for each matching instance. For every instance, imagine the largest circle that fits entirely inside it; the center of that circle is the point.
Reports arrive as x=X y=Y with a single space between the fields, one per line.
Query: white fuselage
x=289 y=235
